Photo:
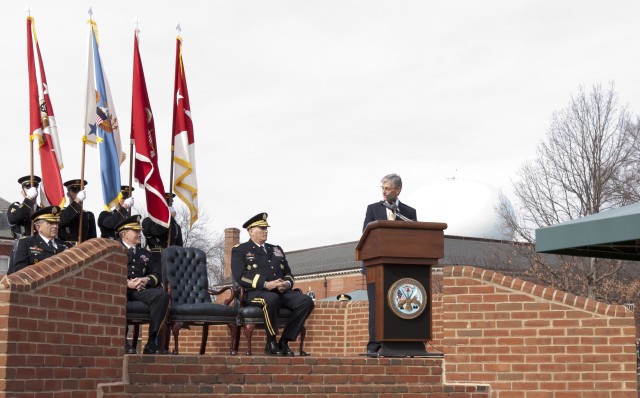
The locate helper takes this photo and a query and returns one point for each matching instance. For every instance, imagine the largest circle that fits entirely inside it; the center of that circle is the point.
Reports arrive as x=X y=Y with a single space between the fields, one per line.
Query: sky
x=300 y=107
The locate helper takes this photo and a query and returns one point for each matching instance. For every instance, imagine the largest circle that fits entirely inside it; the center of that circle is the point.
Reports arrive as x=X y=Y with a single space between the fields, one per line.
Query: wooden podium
x=398 y=256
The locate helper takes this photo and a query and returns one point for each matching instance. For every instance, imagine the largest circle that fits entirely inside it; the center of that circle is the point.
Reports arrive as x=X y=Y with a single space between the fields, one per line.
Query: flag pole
x=84 y=145
x=170 y=198
x=136 y=21
x=131 y=154
x=31 y=184
x=82 y=161
x=30 y=50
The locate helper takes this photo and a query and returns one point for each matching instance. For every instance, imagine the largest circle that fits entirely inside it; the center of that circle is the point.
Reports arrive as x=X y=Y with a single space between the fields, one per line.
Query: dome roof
x=468 y=207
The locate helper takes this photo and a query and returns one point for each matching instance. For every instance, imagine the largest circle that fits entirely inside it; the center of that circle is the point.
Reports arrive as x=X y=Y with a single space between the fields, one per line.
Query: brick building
x=6 y=239
x=331 y=270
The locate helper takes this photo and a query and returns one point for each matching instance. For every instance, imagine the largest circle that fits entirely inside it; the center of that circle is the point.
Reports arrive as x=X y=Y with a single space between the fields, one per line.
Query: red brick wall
x=524 y=340
x=335 y=328
x=62 y=323
x=528 y=341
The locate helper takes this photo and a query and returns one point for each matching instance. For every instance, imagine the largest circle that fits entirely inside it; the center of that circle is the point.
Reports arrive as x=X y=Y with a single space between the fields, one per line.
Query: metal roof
x=609 y=234
x=486 y=253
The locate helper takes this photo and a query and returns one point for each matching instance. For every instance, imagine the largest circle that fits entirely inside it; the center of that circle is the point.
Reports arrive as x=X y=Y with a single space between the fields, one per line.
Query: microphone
x=390 y=202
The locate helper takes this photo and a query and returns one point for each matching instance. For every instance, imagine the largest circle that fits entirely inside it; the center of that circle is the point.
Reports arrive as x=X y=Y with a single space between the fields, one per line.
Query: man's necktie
x=392 y=215
x=51 y=246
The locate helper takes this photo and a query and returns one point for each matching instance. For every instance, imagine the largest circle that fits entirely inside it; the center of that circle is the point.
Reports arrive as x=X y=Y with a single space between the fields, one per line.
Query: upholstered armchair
x=185 y=277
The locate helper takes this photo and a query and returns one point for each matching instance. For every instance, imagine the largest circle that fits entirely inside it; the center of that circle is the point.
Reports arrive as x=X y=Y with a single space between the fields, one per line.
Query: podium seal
x=407 y=298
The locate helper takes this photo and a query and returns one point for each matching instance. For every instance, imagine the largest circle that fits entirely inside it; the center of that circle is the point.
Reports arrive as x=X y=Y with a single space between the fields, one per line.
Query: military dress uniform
x=140 y=264
x=70 y=219
x=19 y=213
x=33 y=249
x=107 y=220
x=156 y=236
x=252 y=266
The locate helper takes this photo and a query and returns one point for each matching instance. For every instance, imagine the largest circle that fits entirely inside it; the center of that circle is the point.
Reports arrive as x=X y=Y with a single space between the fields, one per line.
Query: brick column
x=231 y=238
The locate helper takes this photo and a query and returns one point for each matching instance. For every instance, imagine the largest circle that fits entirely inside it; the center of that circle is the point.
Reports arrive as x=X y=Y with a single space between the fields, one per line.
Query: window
x=4 y=264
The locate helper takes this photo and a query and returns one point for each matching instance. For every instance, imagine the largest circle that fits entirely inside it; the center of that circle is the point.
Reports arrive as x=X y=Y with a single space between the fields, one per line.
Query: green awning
x=612 y=233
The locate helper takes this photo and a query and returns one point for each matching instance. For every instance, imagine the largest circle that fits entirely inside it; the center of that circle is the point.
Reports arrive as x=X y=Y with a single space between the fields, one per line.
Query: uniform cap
x=125 y=191
x=26 y=180
x=343 y=297
x=259 y=220
x=132 y=222
x=75 y=184
x=50 y=214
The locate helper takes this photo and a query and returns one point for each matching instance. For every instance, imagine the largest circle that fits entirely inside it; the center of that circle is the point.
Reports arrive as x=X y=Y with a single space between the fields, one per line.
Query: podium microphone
x=390 y=202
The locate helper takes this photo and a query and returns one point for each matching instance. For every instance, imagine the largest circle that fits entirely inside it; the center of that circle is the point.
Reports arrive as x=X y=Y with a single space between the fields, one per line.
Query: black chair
x=137 y=314
x=250 y=317
x=185 y=277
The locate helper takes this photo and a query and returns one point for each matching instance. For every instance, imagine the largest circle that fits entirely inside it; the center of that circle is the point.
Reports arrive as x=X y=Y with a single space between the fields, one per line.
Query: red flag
x=42 y=123
x=185 y=184
x=144 y=137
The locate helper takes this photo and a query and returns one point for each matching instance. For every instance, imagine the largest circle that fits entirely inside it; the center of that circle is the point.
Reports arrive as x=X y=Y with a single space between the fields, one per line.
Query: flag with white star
x=143 y=135
x=185 y=184
x=43 y=123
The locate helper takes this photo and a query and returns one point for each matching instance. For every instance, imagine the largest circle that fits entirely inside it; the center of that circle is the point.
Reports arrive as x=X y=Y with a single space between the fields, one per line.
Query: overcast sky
x=300 y=107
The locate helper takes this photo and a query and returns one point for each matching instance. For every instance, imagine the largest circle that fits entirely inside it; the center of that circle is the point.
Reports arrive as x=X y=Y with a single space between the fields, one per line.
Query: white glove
x=172 y=211
x=128 y=203
x=32 y=193
x=81 y=196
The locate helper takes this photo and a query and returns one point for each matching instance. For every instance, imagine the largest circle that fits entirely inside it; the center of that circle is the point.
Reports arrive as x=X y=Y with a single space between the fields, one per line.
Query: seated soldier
x=263 y=271
x=19 y=213
x=70 y=218
x=43 y=244
x=107 y=220
x=143 y=281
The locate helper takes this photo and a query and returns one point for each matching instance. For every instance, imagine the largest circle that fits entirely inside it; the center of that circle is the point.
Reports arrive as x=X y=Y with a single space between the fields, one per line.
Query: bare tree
x=199 y=235
x=589 y=162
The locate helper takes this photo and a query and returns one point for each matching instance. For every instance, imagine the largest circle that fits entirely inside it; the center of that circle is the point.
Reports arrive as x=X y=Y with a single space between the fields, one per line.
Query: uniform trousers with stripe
x=300 y=305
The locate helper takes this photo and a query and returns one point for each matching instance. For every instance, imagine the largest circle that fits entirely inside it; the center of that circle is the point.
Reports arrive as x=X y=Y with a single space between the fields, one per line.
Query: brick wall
x=528 y=341
x=62 y=323
x=335 y=328
x=524 y=340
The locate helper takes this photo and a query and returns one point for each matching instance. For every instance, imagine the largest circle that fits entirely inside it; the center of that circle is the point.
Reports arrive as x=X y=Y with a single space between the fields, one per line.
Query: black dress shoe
x=284 y=348
x=128 y=349
x=272 y=349
x=152 y=348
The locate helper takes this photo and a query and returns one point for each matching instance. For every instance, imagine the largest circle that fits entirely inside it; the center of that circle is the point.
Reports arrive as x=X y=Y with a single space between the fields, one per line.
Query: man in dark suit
x=43 y=244
x=70 y=217
x=143 y=282
x=107 y=220
x=19 y=213
x=391 y=186
x=263 y=271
